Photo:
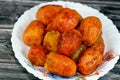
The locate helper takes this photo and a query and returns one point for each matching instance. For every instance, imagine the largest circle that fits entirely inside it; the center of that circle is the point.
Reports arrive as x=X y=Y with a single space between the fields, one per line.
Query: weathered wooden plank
x=9 y=65
x=110 y=76
x=10 y=11
x=12 y=61
x=5 y=34
x=6 y=49
x=109 y=2
x=12 y=70
x=6 y=26
x=16 y=76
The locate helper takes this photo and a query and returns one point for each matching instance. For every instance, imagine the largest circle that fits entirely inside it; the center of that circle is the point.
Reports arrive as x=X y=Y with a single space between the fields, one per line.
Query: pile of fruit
x=64 y=42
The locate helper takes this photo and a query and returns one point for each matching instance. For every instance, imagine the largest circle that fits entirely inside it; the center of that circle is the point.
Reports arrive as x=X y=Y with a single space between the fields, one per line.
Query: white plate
x=110 y=35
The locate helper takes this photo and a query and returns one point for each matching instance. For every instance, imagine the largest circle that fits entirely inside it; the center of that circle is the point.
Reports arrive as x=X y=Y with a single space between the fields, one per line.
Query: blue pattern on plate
x=56 y=77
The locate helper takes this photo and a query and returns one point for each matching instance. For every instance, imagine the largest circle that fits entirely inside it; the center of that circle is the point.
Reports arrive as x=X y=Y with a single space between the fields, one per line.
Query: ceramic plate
x=110 y=35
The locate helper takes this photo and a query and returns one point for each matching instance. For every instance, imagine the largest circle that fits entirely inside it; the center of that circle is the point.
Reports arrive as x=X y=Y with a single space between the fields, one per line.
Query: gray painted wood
x=10 y=11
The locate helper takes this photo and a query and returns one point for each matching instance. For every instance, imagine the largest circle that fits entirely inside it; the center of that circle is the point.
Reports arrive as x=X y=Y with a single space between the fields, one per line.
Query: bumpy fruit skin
x=70 y=42
x=33 y=34
x=89 y=61
x=51 y=40
x=99 y=45
x=65 y=20
x=91 y=58
x=90 y=29
x=37 y=55
x=60 y=65
x=46 y=13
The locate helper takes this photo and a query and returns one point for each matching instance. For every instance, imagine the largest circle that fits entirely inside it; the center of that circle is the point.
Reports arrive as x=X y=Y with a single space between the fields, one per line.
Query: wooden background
x=10 y=11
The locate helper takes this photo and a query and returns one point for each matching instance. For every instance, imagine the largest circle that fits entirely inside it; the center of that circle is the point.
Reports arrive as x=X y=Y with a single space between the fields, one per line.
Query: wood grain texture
x=10 y=11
